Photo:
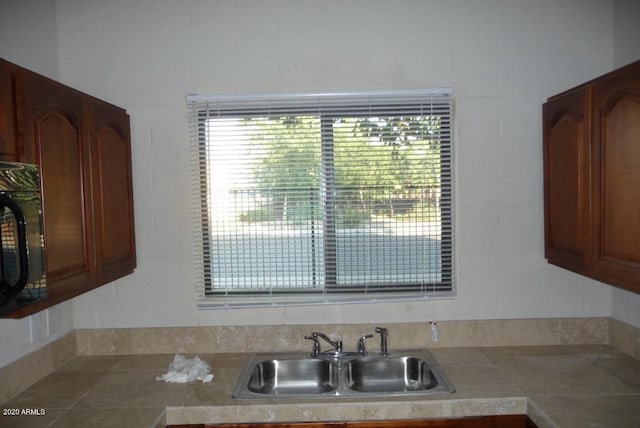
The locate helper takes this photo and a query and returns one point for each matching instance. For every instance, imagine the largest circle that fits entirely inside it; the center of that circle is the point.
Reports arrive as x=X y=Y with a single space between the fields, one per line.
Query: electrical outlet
x=38 y=326
x=435 y=333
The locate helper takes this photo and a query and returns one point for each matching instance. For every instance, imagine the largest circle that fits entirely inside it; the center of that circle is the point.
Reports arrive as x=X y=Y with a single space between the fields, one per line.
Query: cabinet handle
x=5 y=288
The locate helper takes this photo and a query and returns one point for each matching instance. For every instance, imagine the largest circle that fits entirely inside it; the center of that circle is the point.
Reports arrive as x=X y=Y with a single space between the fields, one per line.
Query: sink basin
x=293 y=377
x=301 y=376
x=389 y=375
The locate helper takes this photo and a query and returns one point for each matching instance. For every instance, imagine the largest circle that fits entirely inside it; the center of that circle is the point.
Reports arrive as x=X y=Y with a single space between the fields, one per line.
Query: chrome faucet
x=337 y=351
x=383 y=340
x=336 y=344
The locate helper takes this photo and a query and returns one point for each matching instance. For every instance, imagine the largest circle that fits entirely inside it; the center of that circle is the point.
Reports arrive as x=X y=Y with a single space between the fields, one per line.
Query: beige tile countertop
x=557 y=386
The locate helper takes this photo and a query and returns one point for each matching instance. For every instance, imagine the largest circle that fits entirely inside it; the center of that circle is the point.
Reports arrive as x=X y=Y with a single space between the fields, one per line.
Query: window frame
x=200 y=107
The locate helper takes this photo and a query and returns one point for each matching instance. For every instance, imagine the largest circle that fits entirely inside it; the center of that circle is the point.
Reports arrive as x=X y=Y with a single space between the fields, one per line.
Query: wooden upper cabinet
x=110 y=150
x=54 y=132
x=83 y=148
x=566 y=170
x=616 y=178
x=8 y=137
x=592 y=178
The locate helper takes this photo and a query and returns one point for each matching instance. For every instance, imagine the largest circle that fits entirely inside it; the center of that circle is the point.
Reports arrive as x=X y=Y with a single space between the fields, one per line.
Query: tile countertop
x=557 y=386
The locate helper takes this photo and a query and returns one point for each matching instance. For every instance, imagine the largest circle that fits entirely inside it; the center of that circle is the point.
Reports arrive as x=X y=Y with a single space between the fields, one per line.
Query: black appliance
x=22 y=263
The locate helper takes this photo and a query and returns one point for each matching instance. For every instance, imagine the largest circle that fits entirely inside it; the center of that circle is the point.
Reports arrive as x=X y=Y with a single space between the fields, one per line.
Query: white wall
x=504 y=58
x=30 y=39
x=627 y=32
x=28 y=35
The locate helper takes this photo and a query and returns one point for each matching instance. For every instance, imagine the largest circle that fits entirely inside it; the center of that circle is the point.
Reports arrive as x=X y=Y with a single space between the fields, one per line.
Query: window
x=322 y=197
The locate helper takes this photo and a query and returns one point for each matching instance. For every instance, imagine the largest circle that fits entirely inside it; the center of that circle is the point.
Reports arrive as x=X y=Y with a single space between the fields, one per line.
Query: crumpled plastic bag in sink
x=183 y=370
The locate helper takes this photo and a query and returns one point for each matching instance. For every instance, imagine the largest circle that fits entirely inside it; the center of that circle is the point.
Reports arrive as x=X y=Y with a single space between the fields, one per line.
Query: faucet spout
x=335 y=344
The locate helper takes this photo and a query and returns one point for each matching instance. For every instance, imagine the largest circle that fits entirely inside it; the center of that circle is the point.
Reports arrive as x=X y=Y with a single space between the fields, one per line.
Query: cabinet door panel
x=53 y=134
x=616 y=133
x=112 y=187
x=566 y=167
x=60 y=154
x=621 y=181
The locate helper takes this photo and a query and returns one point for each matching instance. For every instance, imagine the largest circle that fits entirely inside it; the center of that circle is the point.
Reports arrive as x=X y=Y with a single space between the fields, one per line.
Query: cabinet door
x=502 y=421
x=566 y=179
x=110 y=148
x=8 y=138
x=616 y=178
x=53 y=138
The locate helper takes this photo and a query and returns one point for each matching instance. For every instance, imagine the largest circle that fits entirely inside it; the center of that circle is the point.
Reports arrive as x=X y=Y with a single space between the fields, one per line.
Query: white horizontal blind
x=322 y=197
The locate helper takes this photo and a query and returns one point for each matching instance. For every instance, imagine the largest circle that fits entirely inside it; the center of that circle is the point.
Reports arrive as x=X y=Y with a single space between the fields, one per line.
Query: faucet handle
x=361 y=346
x=316 y=344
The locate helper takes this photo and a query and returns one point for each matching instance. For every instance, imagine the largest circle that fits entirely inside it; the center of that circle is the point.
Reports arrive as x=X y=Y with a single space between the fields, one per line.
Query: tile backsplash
x=270 y=338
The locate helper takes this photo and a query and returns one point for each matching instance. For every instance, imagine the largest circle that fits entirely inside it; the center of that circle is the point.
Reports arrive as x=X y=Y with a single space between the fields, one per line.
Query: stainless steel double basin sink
x=300 y=375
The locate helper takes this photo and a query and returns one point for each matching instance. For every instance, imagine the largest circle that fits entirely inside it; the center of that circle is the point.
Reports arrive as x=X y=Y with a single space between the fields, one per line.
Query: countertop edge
x=359 y=410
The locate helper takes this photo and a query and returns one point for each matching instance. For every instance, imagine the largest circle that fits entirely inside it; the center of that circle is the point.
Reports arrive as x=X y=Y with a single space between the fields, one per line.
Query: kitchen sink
x=293 y=377
x=300 y=375
x=392 y=374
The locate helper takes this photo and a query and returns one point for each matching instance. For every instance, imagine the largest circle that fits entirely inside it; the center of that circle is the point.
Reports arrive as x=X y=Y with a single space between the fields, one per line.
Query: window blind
x=322 y=197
